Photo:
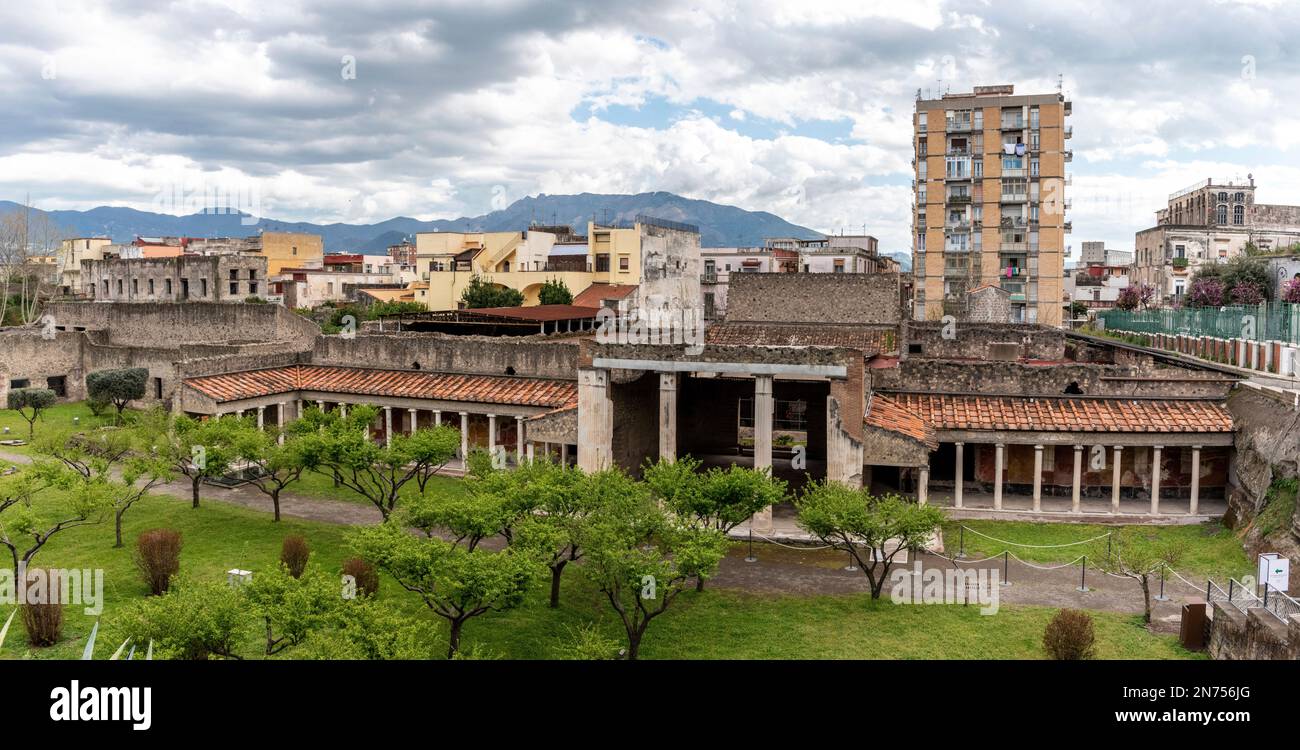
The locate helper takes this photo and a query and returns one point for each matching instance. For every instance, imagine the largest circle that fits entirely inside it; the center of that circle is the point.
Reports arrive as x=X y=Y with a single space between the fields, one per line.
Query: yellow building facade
x=291 y=250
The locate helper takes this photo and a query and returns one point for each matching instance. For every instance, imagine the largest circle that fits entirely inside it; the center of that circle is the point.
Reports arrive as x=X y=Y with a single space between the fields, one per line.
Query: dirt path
x=778 y=570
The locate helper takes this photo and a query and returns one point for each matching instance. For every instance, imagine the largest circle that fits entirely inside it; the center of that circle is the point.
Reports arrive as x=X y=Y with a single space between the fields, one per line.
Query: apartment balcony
x=1069 y=155
x=1069 y=227
x=1067 y=202
x=957 y=226
x=1013 y=123
x=953 y=126
x=959 y=152
x=1014 y=221
x=1021 y=172
x=1013 y=247
x=959 y=198
x=1069 y=107
x=1014 y=197
x=960 y=249
x=709 y=277
x=1069 y=131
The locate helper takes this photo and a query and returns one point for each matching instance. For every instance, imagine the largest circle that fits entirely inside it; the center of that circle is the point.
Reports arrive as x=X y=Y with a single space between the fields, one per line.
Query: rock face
x=1267 y=448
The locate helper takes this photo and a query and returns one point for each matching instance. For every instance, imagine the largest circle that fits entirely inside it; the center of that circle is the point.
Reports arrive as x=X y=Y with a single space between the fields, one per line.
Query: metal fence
x=1279 y=603
x=1240 y=596
x=1268 y=321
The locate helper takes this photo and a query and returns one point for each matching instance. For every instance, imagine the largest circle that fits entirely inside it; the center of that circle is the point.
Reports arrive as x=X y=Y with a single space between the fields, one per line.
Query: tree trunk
x=117 y=526
x=699 y=583
x=453 y=638
x=556 y=571
x=275 y=501
x=1146 y=600
x=194 y=489
x=633 y=645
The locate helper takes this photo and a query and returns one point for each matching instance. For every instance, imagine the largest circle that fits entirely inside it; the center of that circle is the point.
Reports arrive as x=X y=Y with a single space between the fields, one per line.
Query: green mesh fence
x=1270 y=321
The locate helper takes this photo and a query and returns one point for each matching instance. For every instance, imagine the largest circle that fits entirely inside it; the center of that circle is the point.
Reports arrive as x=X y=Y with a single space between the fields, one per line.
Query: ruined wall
x=477 y=355
x=983 y=341
x=1252 y=635
x=670 y=272
x=168 y=324
x=212 y=278
x=636 y=421
x=942 y=376
x=867 y=298
x=29 y=356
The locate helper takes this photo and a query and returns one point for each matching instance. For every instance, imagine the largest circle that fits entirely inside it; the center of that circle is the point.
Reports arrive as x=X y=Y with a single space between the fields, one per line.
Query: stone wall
x=168 y=324
x=1252 y=635
x=670 y=272
x=943 y=376
x=184 y=278
x=983 y=341
x=867 y=298
x=477 y=355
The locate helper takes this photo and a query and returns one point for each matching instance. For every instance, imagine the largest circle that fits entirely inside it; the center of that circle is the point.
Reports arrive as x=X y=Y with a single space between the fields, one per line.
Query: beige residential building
x=990 y=201
x=71 y=253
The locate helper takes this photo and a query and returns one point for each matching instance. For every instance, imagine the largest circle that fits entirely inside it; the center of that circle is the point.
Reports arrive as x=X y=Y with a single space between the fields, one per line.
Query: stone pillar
x=1196 y=479
x=564 y=454
x=414 y=417
x=280 y=410
x=343 y=410
x=763 y=407
x=492 y=436
x=388 y=426
x=320 y=405
x=299 y=407
x=595 y=420
x=519 y=439
x=530 y=453
x=957 y=485
x=668 y=416
x=464 y=435
x=997 y=476
x=1155 y=479
x=1076 y=492
x=261 y=417
x=1114 y=479
x=437 y=418
x=1038 y=478
x=923 y=485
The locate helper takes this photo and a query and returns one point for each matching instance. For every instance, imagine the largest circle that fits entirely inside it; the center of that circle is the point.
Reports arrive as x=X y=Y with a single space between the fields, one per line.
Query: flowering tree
x=1135 y=296
x=1291 y=291
x=1247 y=293
x=1206 y=292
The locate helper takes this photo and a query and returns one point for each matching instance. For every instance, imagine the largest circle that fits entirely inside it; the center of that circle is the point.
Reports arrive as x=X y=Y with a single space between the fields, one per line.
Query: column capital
x=412 y=410
x=1119 y=448
x=959 y=444
x=1078 y=448
x=1196 y=447
x=464 y=413
x=1038 y=448
x=1158 y=447
x=491 y=416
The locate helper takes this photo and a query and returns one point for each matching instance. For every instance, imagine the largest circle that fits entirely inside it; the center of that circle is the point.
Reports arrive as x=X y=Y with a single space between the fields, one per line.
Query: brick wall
x=868 y=298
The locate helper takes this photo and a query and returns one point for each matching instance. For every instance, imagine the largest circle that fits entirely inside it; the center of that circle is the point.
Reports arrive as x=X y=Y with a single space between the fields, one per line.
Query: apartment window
x=135 y=287
x=295 y=249
x=252 y=273
x=252 y=287
x=58 y=384
x=1033 y=140
x=234 y=288
x=1033 y=167
x=1180 y=251
x=167 y=287
x=977 y=168
x=839 y=266
x=1033 y=117
x=1221 y=214
x=624 y=263
x=203 y=288
x=1238 y=214
x=979 y=119
x=119 y=287
x=234 y=274
x=602 y=263
x=1223 y=197
x=958 y=167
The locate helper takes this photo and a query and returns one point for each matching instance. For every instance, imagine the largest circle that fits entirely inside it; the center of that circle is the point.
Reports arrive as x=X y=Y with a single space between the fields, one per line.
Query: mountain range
x=720 y=225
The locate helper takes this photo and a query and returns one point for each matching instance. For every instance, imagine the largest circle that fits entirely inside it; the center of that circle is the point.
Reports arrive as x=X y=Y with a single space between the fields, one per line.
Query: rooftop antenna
x=1060 y=83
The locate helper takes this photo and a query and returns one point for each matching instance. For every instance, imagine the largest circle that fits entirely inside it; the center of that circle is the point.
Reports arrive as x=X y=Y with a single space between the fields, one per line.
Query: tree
x=1247 y=270
x=642 y=557
x=364 y=629
x=193 y=620
x=325 y=441
x=292 y=608
x=24 y=234
x=1135 y=296
x=457 y=584
x=1291 y=291
x=480 y=293
x=195 y=449
x=1246 y=293
x=873 y=529
x=275 y=465
x=1139 y=554
x=1205 y=292
x=720 y=499
x=25 y=529
x=35 y=399
x=555 y=292
x=1078 y=310
x=117 y=387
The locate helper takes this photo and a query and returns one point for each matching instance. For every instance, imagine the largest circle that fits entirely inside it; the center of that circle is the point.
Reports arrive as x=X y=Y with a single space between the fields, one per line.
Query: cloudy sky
x=360 y=110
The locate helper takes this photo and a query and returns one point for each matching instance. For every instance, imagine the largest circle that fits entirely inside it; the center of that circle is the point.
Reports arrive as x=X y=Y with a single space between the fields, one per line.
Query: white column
x=1114 y=479
x=923 y=485
x=464 y=435
x=261 y=417
x=519 y=439
x=320 y=405
x=1196 y=479
x=957 y=485
x=414 y=416
x=343 y=410
x=1155 y=479
x=530 y=453
x=280 y=410
x=437 y=418
x=1038 y=478
x=298 y=408
x=1078 y=479
x=997 y=477
x=564 y=454
x=668 y=416
x=388 y=426
x=762 y=521
x=492 y=435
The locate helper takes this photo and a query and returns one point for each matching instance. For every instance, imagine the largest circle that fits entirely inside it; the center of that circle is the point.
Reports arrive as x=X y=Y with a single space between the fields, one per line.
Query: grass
x=1279 y=507
x=55 y=421
x=717 y=624
x=313 y=484
x=1208 y=549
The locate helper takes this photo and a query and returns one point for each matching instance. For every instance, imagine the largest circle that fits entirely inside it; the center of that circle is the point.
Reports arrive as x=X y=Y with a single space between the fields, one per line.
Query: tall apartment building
x=990 y=201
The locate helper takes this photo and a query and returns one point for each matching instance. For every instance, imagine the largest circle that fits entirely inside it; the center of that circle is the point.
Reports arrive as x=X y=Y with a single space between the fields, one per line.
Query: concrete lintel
x=744 y=368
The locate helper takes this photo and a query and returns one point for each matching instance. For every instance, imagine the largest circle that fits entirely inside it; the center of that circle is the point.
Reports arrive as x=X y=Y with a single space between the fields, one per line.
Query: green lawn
x=55 y=421
x=314 y=484
x=1208 y=549
x=715 y=624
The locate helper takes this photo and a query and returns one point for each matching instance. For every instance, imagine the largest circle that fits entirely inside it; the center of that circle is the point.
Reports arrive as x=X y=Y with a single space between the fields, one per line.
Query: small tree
x=642 y=557
x=873 y=529
x=480 y=293
x=108 y=467
x=363 y=575
x=1247 y=293
x=292 y=607
x=455 y=583
x=195 y=449
x=364 y=629
x=158 y=556
x=276 y=465
x=117 y=387
x=1139 y=554
x=555 y=292
x=193 y=620
x=33 y=400
x=24 y=530
x=1069 y=636
x=1291 y=291
x=294 y=554
x=1205 y=292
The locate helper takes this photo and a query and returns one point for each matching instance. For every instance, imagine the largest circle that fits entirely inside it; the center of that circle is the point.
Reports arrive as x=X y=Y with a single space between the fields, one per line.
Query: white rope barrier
x=1047 y=567
x=1037 y=546
x=769 y=540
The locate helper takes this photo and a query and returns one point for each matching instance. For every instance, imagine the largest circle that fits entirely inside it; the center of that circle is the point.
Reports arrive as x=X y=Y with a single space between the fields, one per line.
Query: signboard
x=1275 y=570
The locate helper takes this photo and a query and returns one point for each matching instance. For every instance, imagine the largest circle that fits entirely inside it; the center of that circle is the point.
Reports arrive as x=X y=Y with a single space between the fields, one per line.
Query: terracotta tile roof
x=1063 y=414
x=538 y=313
x=487 y=389
x=868 y=340
x=887 y=414
x=594 y=294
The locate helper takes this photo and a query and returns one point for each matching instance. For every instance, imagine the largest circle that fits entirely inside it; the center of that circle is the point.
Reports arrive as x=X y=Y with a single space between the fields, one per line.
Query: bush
x=158 y=556
x=294 y=553
x=43 y=620
x=97 y=407
x=364 y=574
x=1069 y=636
x=118 y=387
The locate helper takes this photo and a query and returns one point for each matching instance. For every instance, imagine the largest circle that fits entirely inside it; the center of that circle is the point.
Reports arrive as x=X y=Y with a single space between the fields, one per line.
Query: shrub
x=1291 y=291
x=43 y=619
x=158 y=556
x=97 y=407
x=294 y=553
x=118 y=387
x=364 y=574
x=1069 y=636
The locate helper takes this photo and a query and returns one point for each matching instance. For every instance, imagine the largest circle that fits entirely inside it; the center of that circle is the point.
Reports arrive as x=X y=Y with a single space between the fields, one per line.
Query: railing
x=709 y=277
x=1243 y=599
x=1268 y=321
x=959 y=198
x=1281 y=605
